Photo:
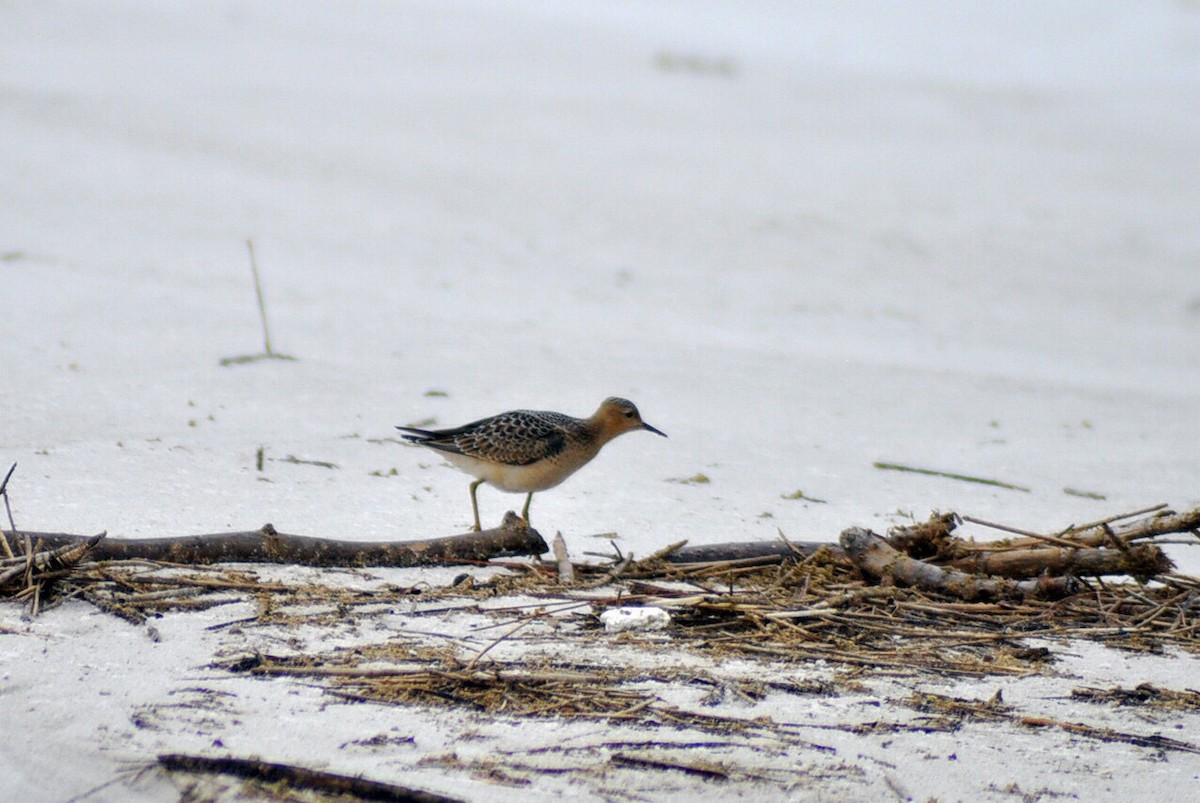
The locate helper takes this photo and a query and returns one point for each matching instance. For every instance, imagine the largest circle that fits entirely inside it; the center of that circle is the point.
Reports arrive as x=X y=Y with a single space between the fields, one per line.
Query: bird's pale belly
x=538 y=476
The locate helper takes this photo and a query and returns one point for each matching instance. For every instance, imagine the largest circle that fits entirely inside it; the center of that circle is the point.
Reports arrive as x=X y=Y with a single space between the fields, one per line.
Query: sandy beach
x=805 y=239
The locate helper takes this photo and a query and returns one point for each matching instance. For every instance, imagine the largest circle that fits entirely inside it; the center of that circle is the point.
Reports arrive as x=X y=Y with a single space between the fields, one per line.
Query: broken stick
x=28 y=567
x=267 y=545
x=1142 y=561
x=877 y=559
x=293 y=777
x=770 y=551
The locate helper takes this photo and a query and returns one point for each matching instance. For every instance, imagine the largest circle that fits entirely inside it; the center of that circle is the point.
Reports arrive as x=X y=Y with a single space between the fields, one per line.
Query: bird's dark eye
x=629 y=413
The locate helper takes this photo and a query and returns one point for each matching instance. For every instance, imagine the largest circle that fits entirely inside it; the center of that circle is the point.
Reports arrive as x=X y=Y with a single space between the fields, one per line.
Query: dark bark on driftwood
x=878 y=560
x=746 y=550
x=266 y=545
x=293 y=777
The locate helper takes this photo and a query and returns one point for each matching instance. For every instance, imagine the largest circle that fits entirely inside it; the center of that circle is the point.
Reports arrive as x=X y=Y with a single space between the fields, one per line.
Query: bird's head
x=617 y=416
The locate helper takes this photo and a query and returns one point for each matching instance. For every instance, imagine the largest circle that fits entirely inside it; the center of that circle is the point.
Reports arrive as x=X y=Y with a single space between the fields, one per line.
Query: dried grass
x=813 y=607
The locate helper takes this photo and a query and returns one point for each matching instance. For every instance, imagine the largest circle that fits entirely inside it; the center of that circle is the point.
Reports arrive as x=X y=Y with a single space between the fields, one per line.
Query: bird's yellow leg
x=475 y=503
x=525 y=510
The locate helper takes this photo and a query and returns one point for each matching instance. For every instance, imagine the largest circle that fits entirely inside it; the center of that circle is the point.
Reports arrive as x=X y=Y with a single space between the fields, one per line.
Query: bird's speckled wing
x=516 y=438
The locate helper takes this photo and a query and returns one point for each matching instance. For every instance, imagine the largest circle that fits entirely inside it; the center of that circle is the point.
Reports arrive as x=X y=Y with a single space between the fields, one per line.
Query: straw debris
x=916 y=602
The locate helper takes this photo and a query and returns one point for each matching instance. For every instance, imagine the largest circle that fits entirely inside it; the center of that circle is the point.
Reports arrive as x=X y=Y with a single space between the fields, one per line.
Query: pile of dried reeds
x=924 y=598
x=26 y=576
x=920 y=599
x=817 y=605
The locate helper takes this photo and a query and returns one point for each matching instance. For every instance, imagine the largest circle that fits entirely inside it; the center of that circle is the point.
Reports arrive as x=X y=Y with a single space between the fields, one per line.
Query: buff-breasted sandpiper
x=525 y=451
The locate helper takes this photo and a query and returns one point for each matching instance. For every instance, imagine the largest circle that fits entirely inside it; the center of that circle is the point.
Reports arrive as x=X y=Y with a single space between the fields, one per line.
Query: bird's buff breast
x=517 y=479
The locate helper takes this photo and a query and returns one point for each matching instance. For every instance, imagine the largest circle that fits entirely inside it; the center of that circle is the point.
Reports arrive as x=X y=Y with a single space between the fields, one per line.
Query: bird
x=526 y=451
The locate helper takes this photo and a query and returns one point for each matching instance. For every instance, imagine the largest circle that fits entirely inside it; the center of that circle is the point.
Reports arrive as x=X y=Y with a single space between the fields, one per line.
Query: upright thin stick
x=262 y=306
x=8 y=553
x=268 y=353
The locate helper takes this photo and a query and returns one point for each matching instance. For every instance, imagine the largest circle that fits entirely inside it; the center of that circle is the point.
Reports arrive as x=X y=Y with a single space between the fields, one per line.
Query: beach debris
x=566 y=570
x=284 y=778
x=23 y=571
x=268 y=545
x=877 y=559
x=617 y=620
x=951 y=475
x=26 y=575
x=267 y=353
x=920 y=598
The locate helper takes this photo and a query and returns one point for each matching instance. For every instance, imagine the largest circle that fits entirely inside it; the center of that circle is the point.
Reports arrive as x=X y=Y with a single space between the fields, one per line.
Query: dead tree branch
x=878 y=560
x=1142 y=561
x=293 y=777
x=267 y=545
x=744 y=550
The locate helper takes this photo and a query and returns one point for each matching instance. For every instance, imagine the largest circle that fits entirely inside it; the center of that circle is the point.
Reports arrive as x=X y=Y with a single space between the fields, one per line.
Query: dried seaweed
x=961 y=710
x=816 y=606
x=1143 y=695
x=527 y=641
x=809 y=605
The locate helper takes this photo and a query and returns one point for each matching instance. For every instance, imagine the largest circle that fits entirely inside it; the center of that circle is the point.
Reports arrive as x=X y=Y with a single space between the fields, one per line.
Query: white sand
x=802 y=237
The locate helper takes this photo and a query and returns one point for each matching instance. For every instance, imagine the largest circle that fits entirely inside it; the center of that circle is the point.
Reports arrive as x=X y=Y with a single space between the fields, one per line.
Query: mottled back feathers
x=515 y=438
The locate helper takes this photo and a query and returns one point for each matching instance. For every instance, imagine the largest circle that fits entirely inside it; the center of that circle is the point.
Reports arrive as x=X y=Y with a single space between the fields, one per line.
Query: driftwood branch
x=1090 y=551
x=878 y=560
x=1141 y=560
x=293 y=777
x=745 y=550
x=1165 y=522
x=267 y=545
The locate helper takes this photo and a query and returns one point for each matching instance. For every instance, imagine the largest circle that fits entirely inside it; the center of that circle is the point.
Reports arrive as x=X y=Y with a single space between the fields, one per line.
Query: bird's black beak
x=652 y=429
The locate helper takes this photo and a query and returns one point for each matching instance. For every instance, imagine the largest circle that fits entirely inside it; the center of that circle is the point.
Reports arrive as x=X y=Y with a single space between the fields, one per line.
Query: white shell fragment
x=647 y=618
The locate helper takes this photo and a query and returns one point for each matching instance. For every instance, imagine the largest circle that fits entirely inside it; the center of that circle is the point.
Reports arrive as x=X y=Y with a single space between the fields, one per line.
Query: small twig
x=269 y=353
x=664 y=553
x=4 y=484
x=1049 y=539
x=624 y=759
x=29 y=557
x=1110 y=519
x=11 y=524
x=474 y=661
x=1155 y=741
x=1112 y=537
x=262 y=305
x=542 y=611
x=301 y=462
x=951 y=475
x=611 y=575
